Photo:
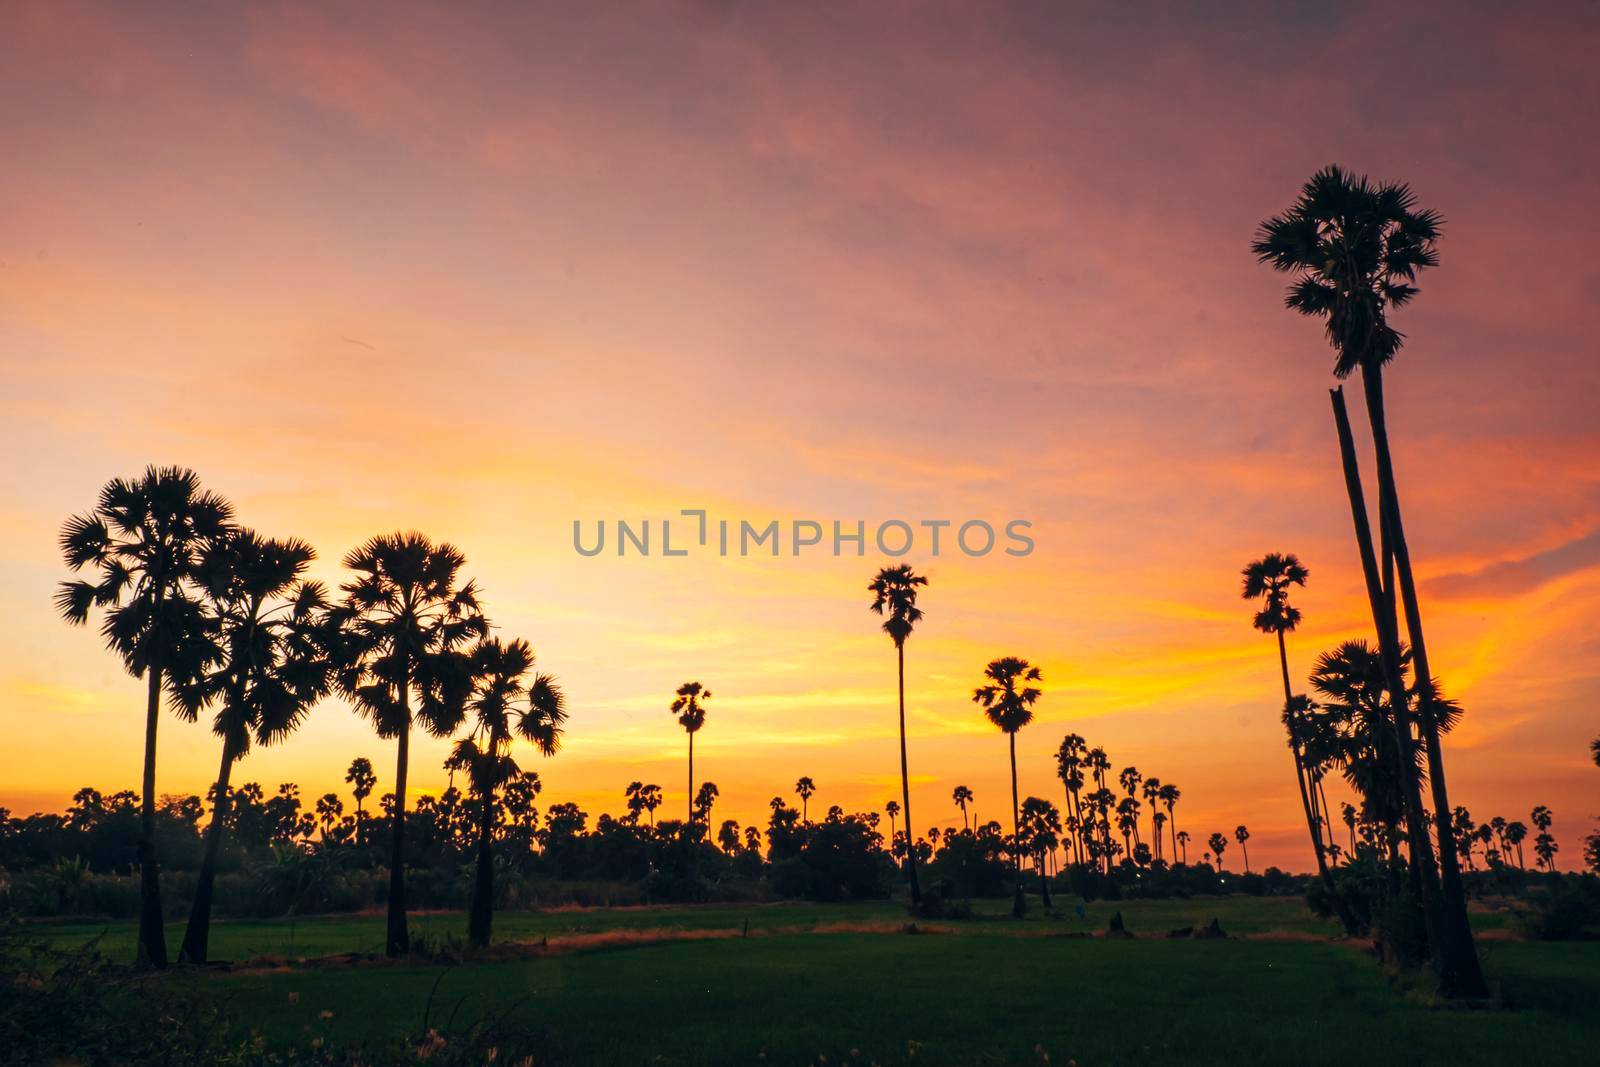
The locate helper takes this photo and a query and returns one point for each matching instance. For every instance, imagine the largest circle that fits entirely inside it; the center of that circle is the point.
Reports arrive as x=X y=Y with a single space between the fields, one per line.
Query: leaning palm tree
x=804 y=788
x=406 y=626
x=144 y=538
x=274 y=667
x=689 y=705
x=962 y=796
x=1007 y=700
x=505 y=703
x=1355 y=248
x=1269 y=580
x=1241 y=835
x=894 y=597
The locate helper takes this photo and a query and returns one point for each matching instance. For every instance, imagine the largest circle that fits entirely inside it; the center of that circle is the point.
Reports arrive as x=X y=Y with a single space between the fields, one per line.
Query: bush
x=1569 y=910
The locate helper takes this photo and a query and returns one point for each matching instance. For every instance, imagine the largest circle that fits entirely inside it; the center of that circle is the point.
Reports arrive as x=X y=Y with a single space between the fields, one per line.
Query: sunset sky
x=484 y=271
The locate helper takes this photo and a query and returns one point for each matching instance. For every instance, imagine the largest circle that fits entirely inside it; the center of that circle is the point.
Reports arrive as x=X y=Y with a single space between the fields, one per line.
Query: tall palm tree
x=1182 y=839
x=505 y=702
x=144 y=538
x=689 y=705
x=1516 y=833
x=1152 y=796
x=894 y=597
x=274 y=667
x=1241 y=835
x=407 y=624
x=892 y=809
x=1069 y=768
x=362 y=780
x=962 y=796
x=1269 y=580
x=1355 y=248
x=1007 y=700
x=804 y=788
x=1170 y=795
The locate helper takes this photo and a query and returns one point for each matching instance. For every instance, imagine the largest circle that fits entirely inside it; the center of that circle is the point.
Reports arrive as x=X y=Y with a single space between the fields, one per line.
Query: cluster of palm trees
x=1011 y=688
x=213 y=615
x=1355 y=249
x=1501 y=840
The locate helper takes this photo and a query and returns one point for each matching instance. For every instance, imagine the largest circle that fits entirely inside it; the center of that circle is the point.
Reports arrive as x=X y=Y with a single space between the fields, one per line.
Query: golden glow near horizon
x=483 y=278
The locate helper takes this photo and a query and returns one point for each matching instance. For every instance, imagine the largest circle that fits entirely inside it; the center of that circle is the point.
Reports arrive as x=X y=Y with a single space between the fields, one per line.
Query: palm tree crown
x=894 y=593
x=1008 y=700
x=1355 y=248
x=1269 y=579
x=689 y=706
x=406 y=623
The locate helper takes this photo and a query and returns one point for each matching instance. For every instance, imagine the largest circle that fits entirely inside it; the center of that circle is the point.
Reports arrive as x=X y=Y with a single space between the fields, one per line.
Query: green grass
x=324 y=935
x=979 y=991
x=797 y=997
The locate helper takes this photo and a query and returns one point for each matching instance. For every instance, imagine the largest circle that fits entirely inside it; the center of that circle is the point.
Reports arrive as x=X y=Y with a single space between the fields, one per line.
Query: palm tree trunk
x=1172 y=824
x=197 y=935
x=482 y=915
x=1461 y=974
x=691 y=777
x=1246 y=850
x=1313 y=824
x=905 y=781
x=399 y=939
x=1017 y=905
x=1044 y=885
x=152 y=947
x=1424 y=873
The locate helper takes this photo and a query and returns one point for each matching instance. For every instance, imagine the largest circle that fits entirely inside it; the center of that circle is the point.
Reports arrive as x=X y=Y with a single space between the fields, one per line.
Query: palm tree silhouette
x=1170 y=795
x=689 y=705
x=1355 y=249
x=1594 y=751
x=1269 y=580
x=1219 y=844
x=1183 y=843
x=704 y=798
x=1152 y=796
x=1069 y=768
x=894 y=597
x=505 y=702
x=1516 y=833
x=1241 y=835
x=1008 y=701
x=406 y=623
x=144 y=538
x=274 y=666
x=1544 y=845
x=892 y=809
x=650 y=798
x=1039 y=835
x=804 y=788
x=962 y=796
x=362 y=780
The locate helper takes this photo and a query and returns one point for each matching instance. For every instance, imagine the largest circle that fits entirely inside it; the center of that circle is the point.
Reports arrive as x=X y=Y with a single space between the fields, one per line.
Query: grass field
x=685 y=986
